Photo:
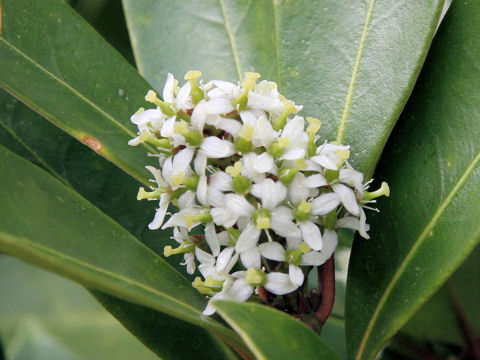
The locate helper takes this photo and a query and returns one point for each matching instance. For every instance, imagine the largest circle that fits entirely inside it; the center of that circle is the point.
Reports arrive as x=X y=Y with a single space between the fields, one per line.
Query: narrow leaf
x=61 y=311
x=430 y=223
x=436 y=320
x=47 y=224
x=350 y=63
x=271 y=334
x=58 y=65
x=113 y=191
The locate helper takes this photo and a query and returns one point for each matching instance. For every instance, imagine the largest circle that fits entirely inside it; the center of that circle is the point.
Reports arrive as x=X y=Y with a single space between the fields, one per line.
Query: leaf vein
x=72 y=89
x=231 y=39
x=351 y=86
x=403 y=266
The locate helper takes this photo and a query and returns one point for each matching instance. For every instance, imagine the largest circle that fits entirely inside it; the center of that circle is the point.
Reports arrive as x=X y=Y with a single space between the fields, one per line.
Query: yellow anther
x=202 y=288
x=139 y=111
x=175 y=87
x=383 y=191
x=289 y=107
x=212 y=283
x=189 y=220
x=181 y=128
x=304 y=248
x=234 y=170
x=192 y=74
x=300 y=164
x=167 y=251
x=263 y=223
x=313 y=126
x=284 y=142
x=250 y=80
x=305 y=207
x=165 y=107
x=142 y=194
x=342 y=156
x=152 y=97
x=177 y=179
x=247 y=132
x=196 y=92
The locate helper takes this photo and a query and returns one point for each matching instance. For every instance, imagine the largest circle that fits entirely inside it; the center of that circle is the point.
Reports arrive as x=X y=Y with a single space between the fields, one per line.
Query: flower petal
x=251 y=258
x=160 y=213
x=348 y=199
x=279 y=283
x=272 y=251
x=311 y=235
x=211 y=237
x=248 y=238
x=325 y=203
x=315 y=181
x=216 y=148
x=296 y=275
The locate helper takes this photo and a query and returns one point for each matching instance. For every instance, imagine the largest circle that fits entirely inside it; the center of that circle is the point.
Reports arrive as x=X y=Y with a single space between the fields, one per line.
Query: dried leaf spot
x=92 y=143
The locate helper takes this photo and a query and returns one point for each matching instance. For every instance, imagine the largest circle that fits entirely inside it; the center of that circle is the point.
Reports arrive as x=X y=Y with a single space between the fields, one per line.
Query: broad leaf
x=53 y=61
x=430 y=223
x=113 y=191
x=47 y=224
x=351 y=63
x=168 y=337
x=37 y=305
x=271 y=334
x=436 y=320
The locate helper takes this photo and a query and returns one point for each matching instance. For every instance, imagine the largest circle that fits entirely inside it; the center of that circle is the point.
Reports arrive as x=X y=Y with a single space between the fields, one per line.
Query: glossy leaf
x=350 y=63
x=436 y=321
x=23 y=131
x=168 y=337
x=47 y=224
x=43 y=315
x=53 y=61
x=430 y=223
x=271 y=334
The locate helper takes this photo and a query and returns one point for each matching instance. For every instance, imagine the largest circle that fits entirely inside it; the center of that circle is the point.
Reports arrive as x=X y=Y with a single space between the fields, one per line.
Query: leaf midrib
x=52 y=257
x=353 y=78
x=231 y=39
x=75 y=91
x=421 y=238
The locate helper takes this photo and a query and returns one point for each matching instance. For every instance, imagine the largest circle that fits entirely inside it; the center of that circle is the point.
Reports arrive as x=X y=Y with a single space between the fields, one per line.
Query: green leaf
x=350 y=63
x=43 y=315
x=435 y=321
x=430 y=223
x=168 y=337
x=58 y=65
x=23 y=131
x=47 y=224
x=271 y=334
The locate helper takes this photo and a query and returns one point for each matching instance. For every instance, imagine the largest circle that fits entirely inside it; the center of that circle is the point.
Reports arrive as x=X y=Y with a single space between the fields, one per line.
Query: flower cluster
x=260 y=195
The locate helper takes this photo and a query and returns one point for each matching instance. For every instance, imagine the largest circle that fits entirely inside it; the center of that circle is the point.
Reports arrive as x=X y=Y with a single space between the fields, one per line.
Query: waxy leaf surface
x=271 y=334
x=53 y=61
x=49 y=225
x=430 y=223
x=350 y=63
x=113 y=192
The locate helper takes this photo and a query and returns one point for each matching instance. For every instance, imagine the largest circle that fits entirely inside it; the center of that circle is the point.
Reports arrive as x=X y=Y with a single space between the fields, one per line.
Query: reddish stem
x=263 y=294
x=326 y=287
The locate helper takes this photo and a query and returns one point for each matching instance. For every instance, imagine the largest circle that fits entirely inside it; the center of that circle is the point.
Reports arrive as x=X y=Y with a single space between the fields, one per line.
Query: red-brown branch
x=326 y=288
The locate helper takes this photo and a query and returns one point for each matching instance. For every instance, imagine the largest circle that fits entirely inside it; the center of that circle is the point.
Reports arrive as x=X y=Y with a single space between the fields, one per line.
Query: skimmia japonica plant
x=260 y=193
x=257 y=215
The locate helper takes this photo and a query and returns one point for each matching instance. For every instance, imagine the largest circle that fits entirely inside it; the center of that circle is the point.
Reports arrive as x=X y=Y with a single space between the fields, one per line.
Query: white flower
x=216 y=148
x=247 y=175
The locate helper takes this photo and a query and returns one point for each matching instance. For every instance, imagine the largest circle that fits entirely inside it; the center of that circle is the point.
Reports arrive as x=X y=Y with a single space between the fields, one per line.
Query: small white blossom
x=248 y=177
